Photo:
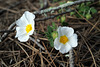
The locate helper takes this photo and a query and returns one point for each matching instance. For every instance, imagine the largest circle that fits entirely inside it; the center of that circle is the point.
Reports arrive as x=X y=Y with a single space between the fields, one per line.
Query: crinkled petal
x=33 y=23
x=65 y=48
x=22 y=22
x=20 y=31
x=68 y=31
x=30 y=17
x=59 y=31
x=73 y=40
x=23 y=38
x=57 y=44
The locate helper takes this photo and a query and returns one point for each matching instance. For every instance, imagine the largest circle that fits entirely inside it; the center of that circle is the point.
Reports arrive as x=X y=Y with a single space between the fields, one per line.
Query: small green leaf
x=86 y=8
x=82 y=4
x=93 y=10
x=49 y=29
x=72 y=13
x=88 y=3
x=51 y=43
x=58 y=17
x=53 y=26
x=63 y=19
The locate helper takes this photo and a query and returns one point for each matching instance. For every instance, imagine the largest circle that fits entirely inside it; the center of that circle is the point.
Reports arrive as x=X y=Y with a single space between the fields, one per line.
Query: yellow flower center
x=63 y=39
x=28 y=28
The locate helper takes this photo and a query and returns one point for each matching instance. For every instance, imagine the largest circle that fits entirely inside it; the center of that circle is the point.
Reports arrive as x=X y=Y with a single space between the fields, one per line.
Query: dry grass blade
x=42 y=64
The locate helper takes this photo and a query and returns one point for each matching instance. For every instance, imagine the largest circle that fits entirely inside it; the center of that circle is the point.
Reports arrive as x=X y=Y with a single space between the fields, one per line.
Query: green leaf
x=88 y=3
x=63 y=19
x=93 y=10
x=72 y=13
x=51 y=43
x=53 y=26
x=58 y=17
x=83 y=4
x=86 y=8
x=49 y=29
x=51 y=34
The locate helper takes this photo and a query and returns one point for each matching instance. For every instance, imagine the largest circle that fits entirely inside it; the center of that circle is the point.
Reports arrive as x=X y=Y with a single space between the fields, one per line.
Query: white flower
x=25 y=26
x=66 y=39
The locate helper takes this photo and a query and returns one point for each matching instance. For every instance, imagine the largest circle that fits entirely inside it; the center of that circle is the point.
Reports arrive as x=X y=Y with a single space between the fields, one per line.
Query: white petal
x=30 y=17
x=20 y=31
x=33 y=23
x=68 y=31
x=73 y=40
x=57 y=44
x=23 y=38
x=65 y=48
x=59 y=31
x=22 y=22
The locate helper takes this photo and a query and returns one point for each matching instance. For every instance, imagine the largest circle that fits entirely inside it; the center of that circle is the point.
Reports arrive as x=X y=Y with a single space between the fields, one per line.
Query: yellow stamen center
x=28 y=28
x=63 y=39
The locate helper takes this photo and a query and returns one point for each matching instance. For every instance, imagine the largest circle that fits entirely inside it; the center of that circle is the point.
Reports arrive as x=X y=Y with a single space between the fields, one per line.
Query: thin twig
x=61 y=6
x=71 y=61
x=53 y=16
x=6 y=31
x=37 y=43
x=3 y=63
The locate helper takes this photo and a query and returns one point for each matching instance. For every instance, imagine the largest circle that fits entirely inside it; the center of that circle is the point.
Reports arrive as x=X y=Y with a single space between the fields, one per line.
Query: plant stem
x=71 y=60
